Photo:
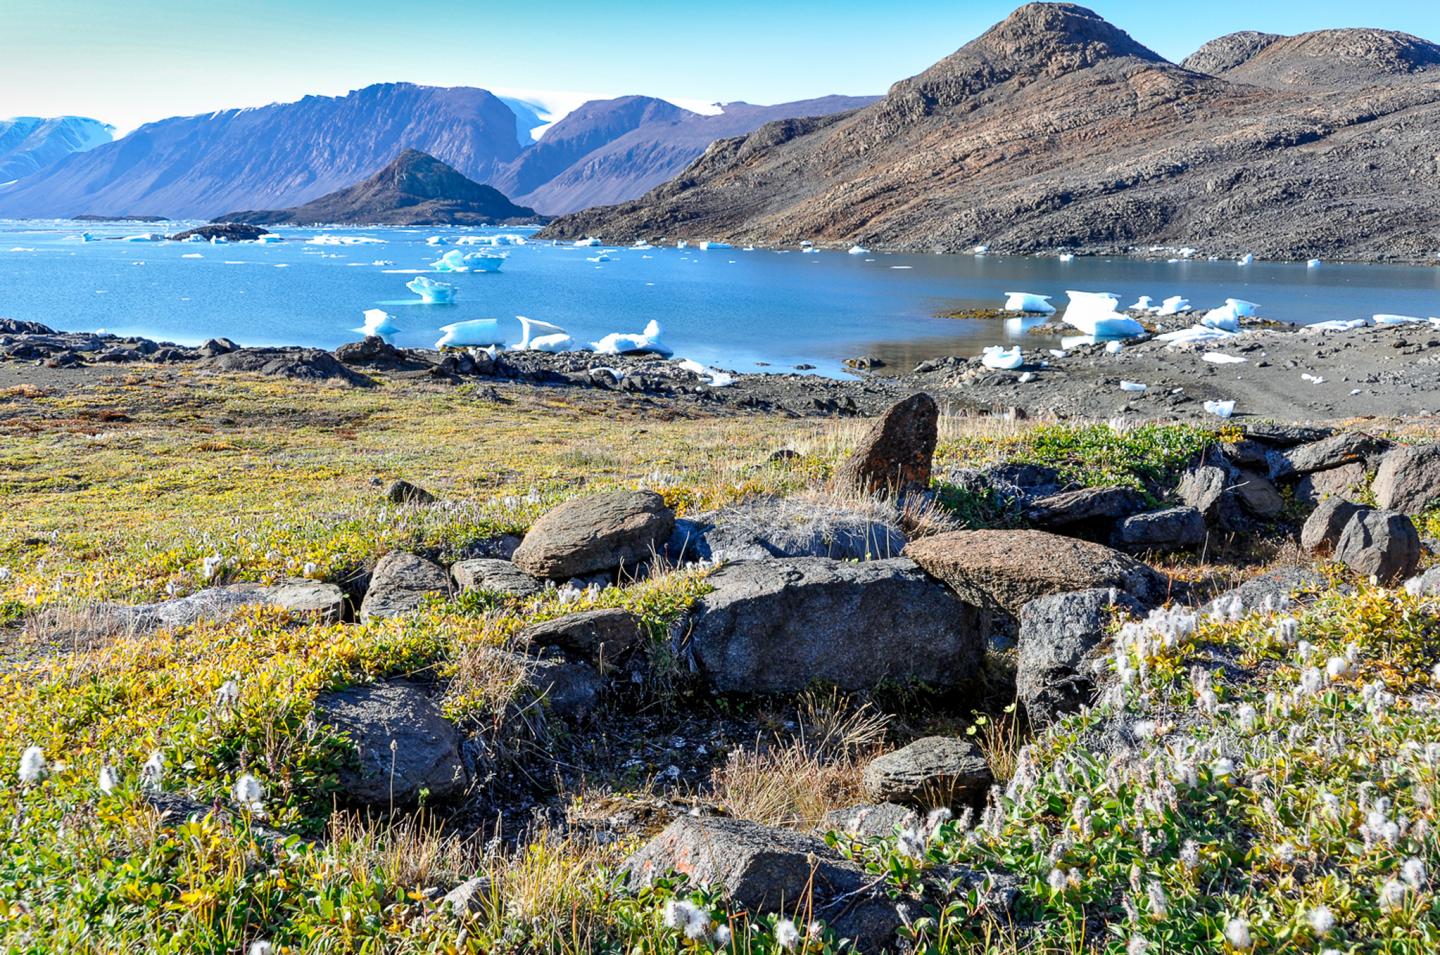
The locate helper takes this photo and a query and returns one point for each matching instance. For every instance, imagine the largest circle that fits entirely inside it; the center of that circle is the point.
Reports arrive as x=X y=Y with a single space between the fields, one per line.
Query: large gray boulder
x=898 y=451
x=1340 y=449
x=596 y=534
x=404 y=746
x=777 y=626
x=1322 y=529
x=1003 y=570
x=1347 y=481
x=1058 y=665
x=1175 y=528
x=495 y=576
x=1408 y=479
x=1380 y=544
x=399 y=583
x=933 y=771
x=309 y=599
x=569 y=690
x=606 y=634
x=1088 y=508
x=788 y=527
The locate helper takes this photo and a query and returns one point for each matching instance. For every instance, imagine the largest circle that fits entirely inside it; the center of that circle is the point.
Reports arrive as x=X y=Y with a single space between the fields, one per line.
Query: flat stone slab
x=305 y=598
x=933 y=771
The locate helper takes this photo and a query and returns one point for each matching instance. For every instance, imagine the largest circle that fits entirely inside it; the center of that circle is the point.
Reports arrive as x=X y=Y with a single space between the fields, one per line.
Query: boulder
x=311 y=599
x=786 y=527
x=1424 y=585
x=599 y=635
x=1027 y=481
x=1323 y=527
x=1207 y=488
x=1093 y=508
x=776 y=626
x=1257 y=494
x=304 y=364
x=1005 y=569
x=1347 y=481
x=1347 y=447
x=1408 y=479
x=591 y=535
x=495 y=575
x=1246 y=453
x=898 y=451
x=568 y=689
x=399 y=583
x=1272 y=590
x=403 y=492
x=933 y=771
x=1380 y=544
x=468 y=897
x=869 y=820
x=404 y=746
x=1175 y=528
x=1286 y=435
x=1056 y=671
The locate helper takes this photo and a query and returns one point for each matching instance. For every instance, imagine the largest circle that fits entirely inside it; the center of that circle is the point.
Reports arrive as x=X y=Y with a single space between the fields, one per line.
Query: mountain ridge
x=29 y=144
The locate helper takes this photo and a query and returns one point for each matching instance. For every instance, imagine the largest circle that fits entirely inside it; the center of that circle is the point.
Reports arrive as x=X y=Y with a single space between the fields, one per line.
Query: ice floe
x=432 y=292
x=344 y=240
x=378 y=322
x=504 y=238
x=192 y=255
x=707 y=246
x=437 y=240
x=475 y=333
x=457 y=261
x=1001 y=358
x=552 y=338
x=1067 y=257
x=1142 y=304
x=1093 y=313
x=857 y=250
x=1314 y=263
x=718 y=378
x=1028 y=302
x=143 y=237
x=623 y=343
x=587 y=243
x=269 y=238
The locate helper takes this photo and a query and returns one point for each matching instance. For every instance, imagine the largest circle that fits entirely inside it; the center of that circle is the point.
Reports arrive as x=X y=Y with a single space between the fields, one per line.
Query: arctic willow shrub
x=1268 y=783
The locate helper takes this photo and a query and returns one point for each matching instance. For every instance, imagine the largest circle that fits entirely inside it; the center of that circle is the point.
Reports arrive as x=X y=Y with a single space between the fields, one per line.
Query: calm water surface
x=725 y=307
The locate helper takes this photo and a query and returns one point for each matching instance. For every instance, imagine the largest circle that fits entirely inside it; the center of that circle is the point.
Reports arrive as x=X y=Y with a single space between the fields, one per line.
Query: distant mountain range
x=415 y=189
x=285 y=155
x=29 y=144
x=1057 y=130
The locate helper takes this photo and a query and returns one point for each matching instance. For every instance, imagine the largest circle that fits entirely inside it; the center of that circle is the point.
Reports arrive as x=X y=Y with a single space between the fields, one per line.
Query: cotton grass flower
x=1321 y=919
x=33 y=766
x=260 y=948
x=248 y=793
x=1237 y=933
x=787 y=936
x=1136 y=946
x=1392 y=895
x=722 y=936
x=1412 y=872
x=108 y=781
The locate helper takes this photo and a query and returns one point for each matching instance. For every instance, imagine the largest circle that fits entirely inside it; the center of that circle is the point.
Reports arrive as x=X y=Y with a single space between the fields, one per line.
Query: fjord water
x=724 y=307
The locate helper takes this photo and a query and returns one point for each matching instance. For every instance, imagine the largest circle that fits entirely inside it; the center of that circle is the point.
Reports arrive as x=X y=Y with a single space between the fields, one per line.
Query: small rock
x=596 y=534
x=403 y=492
x=468 y=897
x=598 y=635
x=1380 y=544
x=934 y=771
x=1347 y=481
x=1176 y=528
x=1257 y=494
x=1425 y=585
x=1408 y=479
x=898 y=451
x=1272 y=590
x=495 y=575
x=1100 y=506
x=1323 y=527
x=400 y=583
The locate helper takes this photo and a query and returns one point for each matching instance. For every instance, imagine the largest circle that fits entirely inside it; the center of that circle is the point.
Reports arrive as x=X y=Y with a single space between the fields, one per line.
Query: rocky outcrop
x=589 y=535
x=400 y=583
x=1347 y=447
x=933 y=771
x=778 y=626
x=897 y=453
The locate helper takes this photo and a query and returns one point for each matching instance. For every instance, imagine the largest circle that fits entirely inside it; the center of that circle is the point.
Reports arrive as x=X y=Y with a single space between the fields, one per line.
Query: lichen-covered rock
x=869 y=820
x=898 y=451
x=400 y=583
x=403 y=492
x=596 y=534
x=1408 y=479
x=1059 y=634
x=1340 y=449
x=933 y=771
x=310 y=599
x=495 y=575
x=781 y=527
x=1380 y=544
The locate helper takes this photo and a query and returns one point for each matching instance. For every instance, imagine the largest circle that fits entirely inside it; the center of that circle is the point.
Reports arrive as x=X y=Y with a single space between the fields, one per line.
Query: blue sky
x=131 y=61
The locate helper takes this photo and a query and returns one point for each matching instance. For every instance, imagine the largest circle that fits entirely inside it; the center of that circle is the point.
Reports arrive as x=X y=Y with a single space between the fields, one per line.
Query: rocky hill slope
x=415 y=189
x=29 y=144
x=1056 y=129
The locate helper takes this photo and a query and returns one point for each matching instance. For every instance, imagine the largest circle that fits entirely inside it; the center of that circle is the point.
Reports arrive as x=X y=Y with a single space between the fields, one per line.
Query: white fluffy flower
x=248 y=792
x=1392 y=894
x=1237 y=933
x=260 y=948
x=108 y=781
x=787 y=936
x=32 y=765
x=1412 y=873
x=1136 y=946
x=1337 y=668
x=1321 y=919
x=722 y=936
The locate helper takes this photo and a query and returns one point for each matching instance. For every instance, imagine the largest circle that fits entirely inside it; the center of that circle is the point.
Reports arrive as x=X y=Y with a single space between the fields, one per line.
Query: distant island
x=90 y=218
x=415 y=189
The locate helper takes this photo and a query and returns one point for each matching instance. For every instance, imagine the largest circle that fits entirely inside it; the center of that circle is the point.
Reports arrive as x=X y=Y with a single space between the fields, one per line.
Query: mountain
x=274 y=156
x=415 y=189
x=1056 y=129
x=28 y=144
x=287 y=154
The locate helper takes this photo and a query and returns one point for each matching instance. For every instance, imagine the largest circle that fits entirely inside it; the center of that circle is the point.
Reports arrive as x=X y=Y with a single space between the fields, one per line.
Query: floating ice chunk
x=269 y=238
x=682 y=244
x=553 y=338
x=477 y=332
x=718 y=379
x=1002 y=359
x=1093 y=313
x=1336 y=325
x=1220 y=409
x=192 y=255
x=143 y=237
x=344 y=240
x=902 y=268
x=1067 y=257
x=1220 y=358
x=981 y=249
x=1142 y=304
x=587 y=243
x=1132 y=386
x=378 y=322
x=1246 y=259
x=432 y=292
x=1314 y=263
x=622 y=343
x=1174 y=305
x=1028 y=302
x=437 y=240
x=707 y=246
x=1188 y=252
x=857 y=250
x=1397 y=320
x=602 y=257
x=457 y=261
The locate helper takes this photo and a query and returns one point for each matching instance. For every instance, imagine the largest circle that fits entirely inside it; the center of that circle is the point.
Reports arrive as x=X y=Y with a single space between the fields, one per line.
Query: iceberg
x=602 y=257
x=682 y=244
x=981 y=249
x=1067 y=257
x=553 y=339
x=621 y=343
x=1028 y=302
x=1002 y=359
x=707 y=246
x=457 y=261
x=143 y=237
x=1093 y=313
x=1314 y=263
x=1246 y=259
x=378 y=322
x=857 y=250
x=344 y=240
x=1174 y=305
x=718 y=379
x=437 y=240
x=587 y=243
x=1397 y=320
x=1221 y=409
x=432 y=292
x=1142 y=304
x=1194 y=334
x=477 y=332
x=269 y=238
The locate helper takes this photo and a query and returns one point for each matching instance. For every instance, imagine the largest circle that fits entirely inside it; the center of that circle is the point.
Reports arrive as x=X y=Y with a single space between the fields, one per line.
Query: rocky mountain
x=1056 y=129
x=288 y=154
x=415 y=189
x=29 y=144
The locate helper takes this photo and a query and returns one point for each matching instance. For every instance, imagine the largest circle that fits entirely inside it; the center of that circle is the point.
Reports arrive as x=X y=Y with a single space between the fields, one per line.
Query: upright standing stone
x=898 y=451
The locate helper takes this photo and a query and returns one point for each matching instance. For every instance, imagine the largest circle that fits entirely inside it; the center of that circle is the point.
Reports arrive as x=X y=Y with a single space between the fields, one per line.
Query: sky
x=127 y=62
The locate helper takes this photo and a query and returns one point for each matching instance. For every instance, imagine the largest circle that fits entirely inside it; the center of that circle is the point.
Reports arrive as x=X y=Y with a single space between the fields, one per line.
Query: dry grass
x=406 y=850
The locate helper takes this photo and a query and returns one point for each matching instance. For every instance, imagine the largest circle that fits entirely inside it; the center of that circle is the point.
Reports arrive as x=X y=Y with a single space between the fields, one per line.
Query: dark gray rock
x=496 y=576
x=1091 y=505
x=468 y=897
x=1286 y=436
x=1246 y=453
x=781 y=527
x=1347 y=481
x=404 y=746
x=1272 y=590
x=403 y=492
x=1056 y=671
x=1347 y=447
x=304 y=598
x=1322 y=529
x=600 y=635
x=1380 y=544
x=777 y=626
x=568 y=689
x=1032 y=481
x=869 y=820
x=596 y=534
x=400 y=583
x=933 y=771
x=1257 y=494
x=898 y=451
x=1175 y=528
x=303 y=364
x=1408 y=479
